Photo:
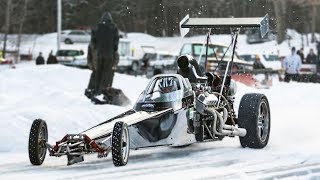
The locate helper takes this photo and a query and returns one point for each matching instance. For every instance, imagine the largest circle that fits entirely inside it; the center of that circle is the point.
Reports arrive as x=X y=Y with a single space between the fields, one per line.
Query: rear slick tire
x=37 y=138
x=254 y=116
x=120 y=144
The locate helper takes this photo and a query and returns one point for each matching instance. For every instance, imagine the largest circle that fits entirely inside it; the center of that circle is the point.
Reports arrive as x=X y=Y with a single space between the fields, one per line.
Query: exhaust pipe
x=234 y=131
x=225 y=130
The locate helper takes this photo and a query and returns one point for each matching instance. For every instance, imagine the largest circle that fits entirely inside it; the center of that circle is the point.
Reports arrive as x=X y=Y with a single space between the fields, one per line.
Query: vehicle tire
x=120 y=144
x=198 y=128
x=37 y=138
x=135 y=67
x=68 y=41
x=254 y=116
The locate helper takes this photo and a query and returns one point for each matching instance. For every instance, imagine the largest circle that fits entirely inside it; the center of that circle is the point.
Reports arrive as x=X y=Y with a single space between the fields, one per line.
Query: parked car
x=242 y=71
x=132 y=56
x=198 y=51
x=268 y=60
x=162 y=61
x=71 y=57
x=126 y=61
x=73 y=36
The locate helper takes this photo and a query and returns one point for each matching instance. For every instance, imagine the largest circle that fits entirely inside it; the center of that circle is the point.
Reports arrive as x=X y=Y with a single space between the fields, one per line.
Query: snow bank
x=46 y=43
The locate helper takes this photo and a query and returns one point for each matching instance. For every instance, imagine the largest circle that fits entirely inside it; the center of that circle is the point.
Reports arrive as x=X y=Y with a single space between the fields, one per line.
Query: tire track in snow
x=295 y=170
x=156 y=168
x=93 y=164
x=157 y=162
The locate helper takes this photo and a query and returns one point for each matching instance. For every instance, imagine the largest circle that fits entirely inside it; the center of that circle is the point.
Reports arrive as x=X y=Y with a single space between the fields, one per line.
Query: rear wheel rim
x=263 y=121
x=134 y=66
x=125 y=144
x=41 y=140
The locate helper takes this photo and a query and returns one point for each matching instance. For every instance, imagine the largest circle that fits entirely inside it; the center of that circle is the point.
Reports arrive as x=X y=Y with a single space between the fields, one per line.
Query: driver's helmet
x=167 y=85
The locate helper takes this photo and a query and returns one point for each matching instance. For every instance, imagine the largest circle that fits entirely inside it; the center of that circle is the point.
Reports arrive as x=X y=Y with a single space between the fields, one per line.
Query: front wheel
x=134 y=67
x=254 y=116
x=68 y=41
x=198 y=128
x=37 y=142
x=120 y=144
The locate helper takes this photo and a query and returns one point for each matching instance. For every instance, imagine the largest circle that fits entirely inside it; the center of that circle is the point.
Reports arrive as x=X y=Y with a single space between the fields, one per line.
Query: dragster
x=174 y=110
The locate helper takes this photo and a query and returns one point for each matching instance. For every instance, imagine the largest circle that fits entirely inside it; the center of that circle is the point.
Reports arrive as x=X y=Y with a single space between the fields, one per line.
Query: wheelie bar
x=74 y=144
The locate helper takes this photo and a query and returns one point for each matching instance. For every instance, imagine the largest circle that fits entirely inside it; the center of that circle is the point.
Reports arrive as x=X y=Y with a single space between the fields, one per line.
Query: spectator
x=52 y=59
x=257 y=63
x=301 y=54
x=107 y=39
x=311 y=58
x=40 y=59
x=292 y=64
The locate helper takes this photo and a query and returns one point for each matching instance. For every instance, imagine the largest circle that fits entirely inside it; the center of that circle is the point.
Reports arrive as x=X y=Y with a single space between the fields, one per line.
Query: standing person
x=92 y=64
x=107 y=39
x=257 y=63
x=40 y=59
x=301 y=54
x=52 y=59
x=292 y=64
x=311 y=57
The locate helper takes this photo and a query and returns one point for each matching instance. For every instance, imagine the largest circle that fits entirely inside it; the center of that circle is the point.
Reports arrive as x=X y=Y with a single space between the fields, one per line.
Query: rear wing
x=219 y=23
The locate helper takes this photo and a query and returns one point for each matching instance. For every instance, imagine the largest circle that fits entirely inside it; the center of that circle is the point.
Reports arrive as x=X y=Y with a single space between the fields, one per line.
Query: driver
x=167 y=85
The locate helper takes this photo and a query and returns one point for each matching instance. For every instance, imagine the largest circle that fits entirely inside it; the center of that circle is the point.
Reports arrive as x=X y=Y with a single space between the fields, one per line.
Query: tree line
x=156 y=17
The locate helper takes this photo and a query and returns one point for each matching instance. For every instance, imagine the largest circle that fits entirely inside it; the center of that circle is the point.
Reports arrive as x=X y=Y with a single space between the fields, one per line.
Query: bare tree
x=314 y=5
x=280 y=9
x=7 y=26
x=22 y=20
x=314 y=21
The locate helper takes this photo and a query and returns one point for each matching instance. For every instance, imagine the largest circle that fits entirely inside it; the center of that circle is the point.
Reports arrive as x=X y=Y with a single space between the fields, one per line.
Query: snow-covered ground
x=55 y=93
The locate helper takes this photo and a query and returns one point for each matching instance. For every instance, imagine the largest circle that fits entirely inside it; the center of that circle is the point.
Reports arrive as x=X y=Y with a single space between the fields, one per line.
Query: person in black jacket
x=301 y=54
x=257 y=63
x=52 y=59
x=311 y=58
x=106 y=40
x=40 y=59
